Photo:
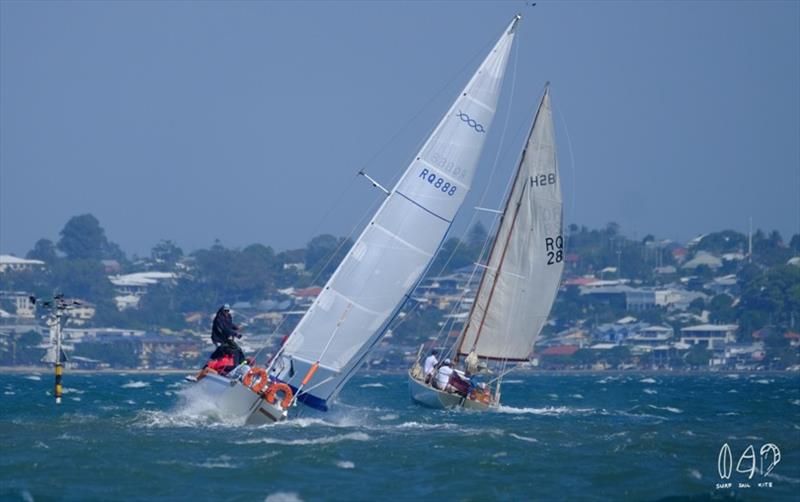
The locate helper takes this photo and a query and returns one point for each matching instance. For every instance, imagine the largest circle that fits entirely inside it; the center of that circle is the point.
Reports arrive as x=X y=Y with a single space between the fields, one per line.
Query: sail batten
x=392 y=252
x=522 y=274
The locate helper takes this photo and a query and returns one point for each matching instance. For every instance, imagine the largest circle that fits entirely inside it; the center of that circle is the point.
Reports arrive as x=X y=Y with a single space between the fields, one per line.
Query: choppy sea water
x=560 y=437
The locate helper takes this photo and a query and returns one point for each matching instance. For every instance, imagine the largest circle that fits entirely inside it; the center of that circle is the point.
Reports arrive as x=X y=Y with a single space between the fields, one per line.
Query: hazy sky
x=248 y=121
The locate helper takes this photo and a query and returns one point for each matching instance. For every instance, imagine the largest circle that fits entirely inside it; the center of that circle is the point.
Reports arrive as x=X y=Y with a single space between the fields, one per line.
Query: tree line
x=768 y=290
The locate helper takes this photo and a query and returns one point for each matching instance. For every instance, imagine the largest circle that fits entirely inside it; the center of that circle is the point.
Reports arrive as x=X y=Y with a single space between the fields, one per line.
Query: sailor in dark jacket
x=223 y=333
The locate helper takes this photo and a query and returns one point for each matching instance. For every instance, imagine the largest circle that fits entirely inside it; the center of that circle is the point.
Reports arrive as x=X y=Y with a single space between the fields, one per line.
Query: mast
x=392 y=253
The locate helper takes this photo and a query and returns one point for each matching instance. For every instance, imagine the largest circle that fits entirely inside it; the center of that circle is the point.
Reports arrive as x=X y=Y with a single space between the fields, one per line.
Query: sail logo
x=749 y=464
x=471 y=122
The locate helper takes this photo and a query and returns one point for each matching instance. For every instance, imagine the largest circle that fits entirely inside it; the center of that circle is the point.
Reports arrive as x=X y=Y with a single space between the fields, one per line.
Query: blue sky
x=248 y=121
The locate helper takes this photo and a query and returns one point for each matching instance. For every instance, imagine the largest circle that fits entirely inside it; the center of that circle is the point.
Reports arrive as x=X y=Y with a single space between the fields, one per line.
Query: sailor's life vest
x=222 y=365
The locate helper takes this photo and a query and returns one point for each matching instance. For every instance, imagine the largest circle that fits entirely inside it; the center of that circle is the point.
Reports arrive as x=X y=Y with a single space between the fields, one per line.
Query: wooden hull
x=426 y=395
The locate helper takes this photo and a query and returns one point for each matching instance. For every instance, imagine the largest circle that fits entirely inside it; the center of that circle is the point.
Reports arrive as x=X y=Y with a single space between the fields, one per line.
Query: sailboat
x=384 y=265
x=518 y=285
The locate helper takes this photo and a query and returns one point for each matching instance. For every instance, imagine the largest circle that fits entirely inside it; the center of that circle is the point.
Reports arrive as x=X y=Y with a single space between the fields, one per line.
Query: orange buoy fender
x=263 y=380
x=279 y=387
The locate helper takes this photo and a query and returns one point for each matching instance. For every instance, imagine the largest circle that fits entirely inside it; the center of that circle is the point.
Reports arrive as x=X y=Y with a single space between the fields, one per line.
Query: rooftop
x=7 y=259
x=711 y=327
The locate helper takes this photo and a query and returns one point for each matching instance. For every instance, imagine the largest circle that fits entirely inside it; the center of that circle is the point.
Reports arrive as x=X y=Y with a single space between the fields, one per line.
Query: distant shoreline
x=188 y=371
x=46 y=369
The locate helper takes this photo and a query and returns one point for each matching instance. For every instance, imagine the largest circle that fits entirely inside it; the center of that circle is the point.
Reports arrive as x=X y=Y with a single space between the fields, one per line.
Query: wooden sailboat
x=519 y=281
x=386 y=262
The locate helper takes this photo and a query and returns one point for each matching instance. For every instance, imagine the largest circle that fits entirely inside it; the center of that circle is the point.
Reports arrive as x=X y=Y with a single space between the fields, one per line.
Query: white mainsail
x=524 y=268
x=371 y=284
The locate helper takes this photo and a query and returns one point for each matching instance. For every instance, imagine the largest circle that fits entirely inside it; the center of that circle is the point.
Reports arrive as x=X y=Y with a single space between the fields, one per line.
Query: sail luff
x=536 y=255
x=492 y=251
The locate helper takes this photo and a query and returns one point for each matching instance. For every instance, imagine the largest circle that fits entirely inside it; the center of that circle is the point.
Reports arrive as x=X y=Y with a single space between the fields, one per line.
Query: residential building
x=712 y=336
x=11 y=263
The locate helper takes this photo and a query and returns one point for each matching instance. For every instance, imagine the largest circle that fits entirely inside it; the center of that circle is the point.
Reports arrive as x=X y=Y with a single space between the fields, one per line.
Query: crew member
x=223 y=333
x=430 y=364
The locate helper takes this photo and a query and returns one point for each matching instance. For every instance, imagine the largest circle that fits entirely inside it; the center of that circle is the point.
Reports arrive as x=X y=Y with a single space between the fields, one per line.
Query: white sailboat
x=386 y=262
x=519 y=281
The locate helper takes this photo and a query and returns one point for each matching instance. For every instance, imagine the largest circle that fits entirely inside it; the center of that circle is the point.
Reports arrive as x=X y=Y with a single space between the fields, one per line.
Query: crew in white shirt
x=430 y=364
x=443 y=375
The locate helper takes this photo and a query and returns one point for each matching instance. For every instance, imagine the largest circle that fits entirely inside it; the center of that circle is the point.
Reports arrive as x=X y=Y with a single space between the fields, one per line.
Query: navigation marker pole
x=58 y=308
x=59 y=368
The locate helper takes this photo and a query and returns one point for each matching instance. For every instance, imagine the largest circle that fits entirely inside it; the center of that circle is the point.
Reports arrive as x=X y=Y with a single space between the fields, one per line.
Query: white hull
x=233 y=399
x=426 y=395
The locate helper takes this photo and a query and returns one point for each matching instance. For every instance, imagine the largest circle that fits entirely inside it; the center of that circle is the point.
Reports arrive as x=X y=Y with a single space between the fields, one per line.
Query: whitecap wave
x=35 y=378
x=425 y=426
x=547 y=410
x=283 y=497
x=302 y=423
x=666 y=408
x=694 y=473
x=764 y=381
x=650 y=391
x=524 y=438
x=370 y=385
x=647 y=380
x=345 y=464
x=576 y=396
x=782 y=478
x=70 y=437
x=388 y=416
x=138 y=384
x=505 y=382
x=795 y=402
x=337 y=438
x=9 y=393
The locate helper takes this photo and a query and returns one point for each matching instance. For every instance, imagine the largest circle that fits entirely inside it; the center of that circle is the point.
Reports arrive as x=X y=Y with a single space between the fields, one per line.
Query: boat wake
x=192 y=410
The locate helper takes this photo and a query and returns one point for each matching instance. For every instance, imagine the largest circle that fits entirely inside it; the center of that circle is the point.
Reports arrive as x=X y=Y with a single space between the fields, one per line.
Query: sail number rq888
x=555 y=249
x=438 y=182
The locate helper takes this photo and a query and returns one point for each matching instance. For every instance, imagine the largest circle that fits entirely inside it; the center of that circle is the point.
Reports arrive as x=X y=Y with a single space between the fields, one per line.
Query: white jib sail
x=524 y=269
x=393 y=251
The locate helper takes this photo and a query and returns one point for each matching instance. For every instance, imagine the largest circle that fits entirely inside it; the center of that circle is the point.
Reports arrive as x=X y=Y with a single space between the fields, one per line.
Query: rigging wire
x=328 y=261
x=482 y=199
x=484 y=250
x=371 y=159
x=572 y=165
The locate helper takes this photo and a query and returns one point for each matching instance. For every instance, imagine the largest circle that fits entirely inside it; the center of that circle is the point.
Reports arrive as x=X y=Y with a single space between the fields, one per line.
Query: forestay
x=388 y=259
x=524 y=268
